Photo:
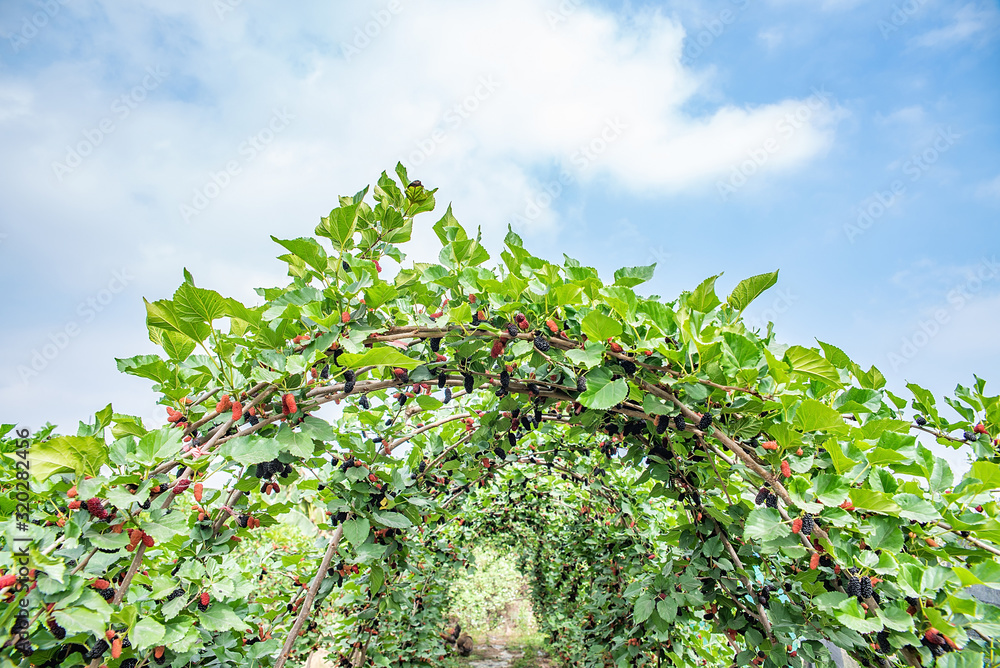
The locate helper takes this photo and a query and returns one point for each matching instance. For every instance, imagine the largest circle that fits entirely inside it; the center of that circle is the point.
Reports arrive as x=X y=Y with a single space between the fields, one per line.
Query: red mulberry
x=203 y=601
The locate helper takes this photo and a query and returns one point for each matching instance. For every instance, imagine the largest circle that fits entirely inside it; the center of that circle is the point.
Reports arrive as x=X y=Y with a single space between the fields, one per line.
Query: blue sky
x=712 y=136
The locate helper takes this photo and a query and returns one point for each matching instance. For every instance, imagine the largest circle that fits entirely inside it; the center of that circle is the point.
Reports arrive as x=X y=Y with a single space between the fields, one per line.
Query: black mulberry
x=581 y=384
x=705 y=422
x=108 y=593
x=242 y=520
x=504 y=380
x=854 y=586
x=442 y=380
x=661 y=424
x=762 y=497
x=628 y=366
x=882 y=638
x=808 y=523
x=97 y=650
x=468 y=382
x=772 y=500
x=325 y=373
x=57 y=631
x=968 y=436
x=512 y=330
x=447 y=394
x=679 y=423
x=435 y=344
x=866 y=587
x=920 y=420
x=542 y=344
x=129 y=663
x=364 y=403
x=512 y=439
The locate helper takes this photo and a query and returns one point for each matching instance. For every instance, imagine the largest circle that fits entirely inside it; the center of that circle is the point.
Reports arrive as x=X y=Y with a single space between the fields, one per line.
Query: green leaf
x=591 y=355
x=643 y=609
x=603 y=393
x=147 y=633
x=703 y=298
x=160 y=445
x=392 y=520
x=356 y=531
x=379 y=294
x=632 y=276
x=198 y=305
x=382 y=356
x=376 y=578
x=813 y=415
x=750 y=288
x=220 y=617
x=251 y=449
x=308 y=249
x=831 y=489
x=894 y=616
x=340 y=226
x=853 y=617
x=809 y=363
x=297 y=443
x=83 y=455
x=915 y=508
x=965 y=658
x=599 y=327
x=876 y=502
x=764 y=524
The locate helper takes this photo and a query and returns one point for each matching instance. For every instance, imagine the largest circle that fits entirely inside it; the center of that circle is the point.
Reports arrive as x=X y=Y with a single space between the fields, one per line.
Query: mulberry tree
x=682 y=489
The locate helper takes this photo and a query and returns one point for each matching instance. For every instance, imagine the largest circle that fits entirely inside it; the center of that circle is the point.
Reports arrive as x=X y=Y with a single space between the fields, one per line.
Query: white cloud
x=552 y=89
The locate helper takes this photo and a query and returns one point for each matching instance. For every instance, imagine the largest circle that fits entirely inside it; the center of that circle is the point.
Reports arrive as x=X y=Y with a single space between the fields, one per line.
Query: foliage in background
x=480 y=599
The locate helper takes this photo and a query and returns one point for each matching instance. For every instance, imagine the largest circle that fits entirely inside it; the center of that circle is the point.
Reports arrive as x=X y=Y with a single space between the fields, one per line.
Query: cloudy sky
x=852 y=145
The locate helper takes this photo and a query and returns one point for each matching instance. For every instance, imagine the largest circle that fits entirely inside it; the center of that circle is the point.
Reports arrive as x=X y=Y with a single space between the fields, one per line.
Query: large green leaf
x=602 y=392
x=356 y=531
x=599 y=327
x=308 y=249
x=764 y=524
x=811 y=364
x=749 y=289
x=704 y=298
x=82 y=455
x=220 y=617
x=382 y=356
x=632 y=276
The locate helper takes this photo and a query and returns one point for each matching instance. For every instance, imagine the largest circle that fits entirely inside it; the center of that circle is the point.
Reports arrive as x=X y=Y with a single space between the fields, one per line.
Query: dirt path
x=498 y=653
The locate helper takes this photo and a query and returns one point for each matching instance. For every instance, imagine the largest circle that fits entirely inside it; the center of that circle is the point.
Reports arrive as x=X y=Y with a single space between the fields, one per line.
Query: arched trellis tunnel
x=684 y=490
